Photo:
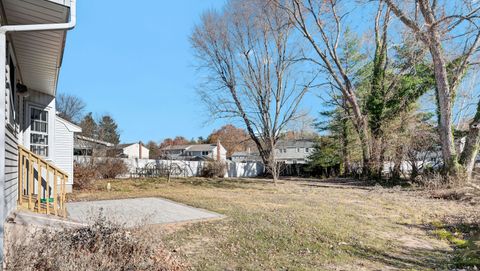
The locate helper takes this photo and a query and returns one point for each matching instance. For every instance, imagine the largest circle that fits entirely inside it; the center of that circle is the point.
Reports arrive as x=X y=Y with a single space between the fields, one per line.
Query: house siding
x=133 y=151
x=294 y=153
x=64 y=150
x=11 y=172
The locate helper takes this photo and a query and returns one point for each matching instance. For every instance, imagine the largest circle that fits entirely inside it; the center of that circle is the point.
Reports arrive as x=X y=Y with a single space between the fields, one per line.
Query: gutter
x=44 y=27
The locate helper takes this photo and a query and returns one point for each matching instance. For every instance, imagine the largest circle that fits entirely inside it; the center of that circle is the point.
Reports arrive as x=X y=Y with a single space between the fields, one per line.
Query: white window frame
x=47 y=133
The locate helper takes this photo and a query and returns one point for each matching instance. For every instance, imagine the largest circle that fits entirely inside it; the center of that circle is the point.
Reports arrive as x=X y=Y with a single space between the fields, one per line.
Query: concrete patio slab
x=137 y=212
x=27 y=218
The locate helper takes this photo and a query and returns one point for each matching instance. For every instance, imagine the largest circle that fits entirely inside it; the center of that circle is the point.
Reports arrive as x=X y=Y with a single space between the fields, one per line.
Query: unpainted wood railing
x=42 y=186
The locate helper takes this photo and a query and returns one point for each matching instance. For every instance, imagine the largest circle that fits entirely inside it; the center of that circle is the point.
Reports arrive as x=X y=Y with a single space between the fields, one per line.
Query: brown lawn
x=309 y=225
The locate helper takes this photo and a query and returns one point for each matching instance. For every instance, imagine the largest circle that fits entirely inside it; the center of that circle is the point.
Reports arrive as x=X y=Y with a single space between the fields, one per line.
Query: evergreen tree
x=89 y=126
x=326 y=155
x=108 y=130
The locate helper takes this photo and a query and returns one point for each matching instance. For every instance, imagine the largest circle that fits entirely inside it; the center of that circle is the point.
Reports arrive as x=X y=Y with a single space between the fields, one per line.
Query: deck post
x=39 y=185
x=30 y=182
x=47 y=192
x=64 y=208
x=55 y=195
x=20 y=176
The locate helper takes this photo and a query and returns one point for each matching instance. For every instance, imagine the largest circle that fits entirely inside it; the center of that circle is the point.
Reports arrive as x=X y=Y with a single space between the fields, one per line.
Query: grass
x=301 y=225
x=465 y=239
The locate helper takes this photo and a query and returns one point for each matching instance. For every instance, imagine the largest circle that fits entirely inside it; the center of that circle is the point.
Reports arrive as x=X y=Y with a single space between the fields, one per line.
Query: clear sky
x=134 y=62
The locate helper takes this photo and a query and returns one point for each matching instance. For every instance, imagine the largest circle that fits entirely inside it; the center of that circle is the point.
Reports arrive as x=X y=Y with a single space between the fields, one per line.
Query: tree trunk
x=470 y=151
x=273 y=161
x=444 y=94
x=345 y=144
x=381 y=158
x=366 y=147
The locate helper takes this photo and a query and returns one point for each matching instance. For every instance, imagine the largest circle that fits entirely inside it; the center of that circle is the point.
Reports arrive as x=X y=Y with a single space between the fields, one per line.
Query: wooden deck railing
x=42 y=186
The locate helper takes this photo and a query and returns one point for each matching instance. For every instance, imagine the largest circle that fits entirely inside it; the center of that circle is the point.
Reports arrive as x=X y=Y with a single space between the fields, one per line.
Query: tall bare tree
x=443 y=26
x=70 y=107
x=248 y=51
x=321 y=23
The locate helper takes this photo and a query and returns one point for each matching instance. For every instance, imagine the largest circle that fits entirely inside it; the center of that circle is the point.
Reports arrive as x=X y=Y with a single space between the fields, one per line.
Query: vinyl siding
x=11 y=172
x=133 y=151
x=64 y=150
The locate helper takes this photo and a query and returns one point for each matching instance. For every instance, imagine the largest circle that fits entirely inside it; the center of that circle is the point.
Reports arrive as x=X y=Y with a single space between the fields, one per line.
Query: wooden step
x=43 y=206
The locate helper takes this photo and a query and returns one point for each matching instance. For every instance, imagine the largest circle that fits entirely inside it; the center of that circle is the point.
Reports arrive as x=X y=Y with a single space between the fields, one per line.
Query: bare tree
x=444 y=26
x=321 y=22
x=249 y=53
x=70 y=107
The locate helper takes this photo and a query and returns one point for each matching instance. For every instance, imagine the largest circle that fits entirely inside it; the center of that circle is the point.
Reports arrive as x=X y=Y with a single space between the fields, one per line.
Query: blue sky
x=135 y=63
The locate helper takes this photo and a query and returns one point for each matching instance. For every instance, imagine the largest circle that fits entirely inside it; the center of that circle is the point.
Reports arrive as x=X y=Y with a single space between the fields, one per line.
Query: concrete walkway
x=27 y=218
x=137 y=212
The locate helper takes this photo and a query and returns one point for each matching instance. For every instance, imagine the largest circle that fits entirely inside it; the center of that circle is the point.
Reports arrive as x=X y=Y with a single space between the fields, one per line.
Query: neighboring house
x=294 y=151
x=196 y=152
x=287 y=151
x=132 y=150
x=33 y=166
x=245 y=156
x=64 y=142
x=88 y=147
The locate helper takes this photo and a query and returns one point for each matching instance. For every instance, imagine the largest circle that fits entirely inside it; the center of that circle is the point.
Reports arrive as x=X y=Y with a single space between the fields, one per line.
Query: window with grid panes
x=39 y=131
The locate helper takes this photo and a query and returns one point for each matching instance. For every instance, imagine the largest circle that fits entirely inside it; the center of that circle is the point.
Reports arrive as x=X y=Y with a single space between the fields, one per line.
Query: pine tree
x=89 y=126
x=108 y=130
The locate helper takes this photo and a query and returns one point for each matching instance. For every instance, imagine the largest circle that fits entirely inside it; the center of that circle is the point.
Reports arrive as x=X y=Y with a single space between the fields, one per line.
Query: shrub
x=213 y=169
x=111 y=168
x=84 y=174
x=100 y=246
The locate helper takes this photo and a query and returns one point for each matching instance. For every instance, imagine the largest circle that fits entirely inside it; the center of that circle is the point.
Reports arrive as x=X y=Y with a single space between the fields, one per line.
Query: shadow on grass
x=406 y=258
x=223 y=183
x=464 y=239
x=351 y=183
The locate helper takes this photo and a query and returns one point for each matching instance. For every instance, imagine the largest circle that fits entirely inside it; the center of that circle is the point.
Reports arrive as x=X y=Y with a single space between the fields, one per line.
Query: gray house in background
x=295 y=151
x=245 y=156
x=88 y=147
x=196 y=152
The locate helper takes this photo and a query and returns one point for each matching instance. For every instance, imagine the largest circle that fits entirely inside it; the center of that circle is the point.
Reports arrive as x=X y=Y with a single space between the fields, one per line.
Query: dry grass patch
x=299 y=225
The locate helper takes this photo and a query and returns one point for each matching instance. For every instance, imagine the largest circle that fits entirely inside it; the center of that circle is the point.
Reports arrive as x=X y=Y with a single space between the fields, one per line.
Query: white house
x=33 y=166
x=64 y=142
x=196 y=152
x=133 y=150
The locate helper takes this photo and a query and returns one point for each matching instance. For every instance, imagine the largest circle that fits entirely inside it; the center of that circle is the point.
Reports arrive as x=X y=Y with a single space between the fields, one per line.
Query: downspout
x=219 y=157
x=140 y=149
x=3 y=57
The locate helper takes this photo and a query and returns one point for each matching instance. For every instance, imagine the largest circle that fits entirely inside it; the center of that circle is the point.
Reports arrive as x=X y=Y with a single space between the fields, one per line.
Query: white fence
x=186 y=168
x=244 y=170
